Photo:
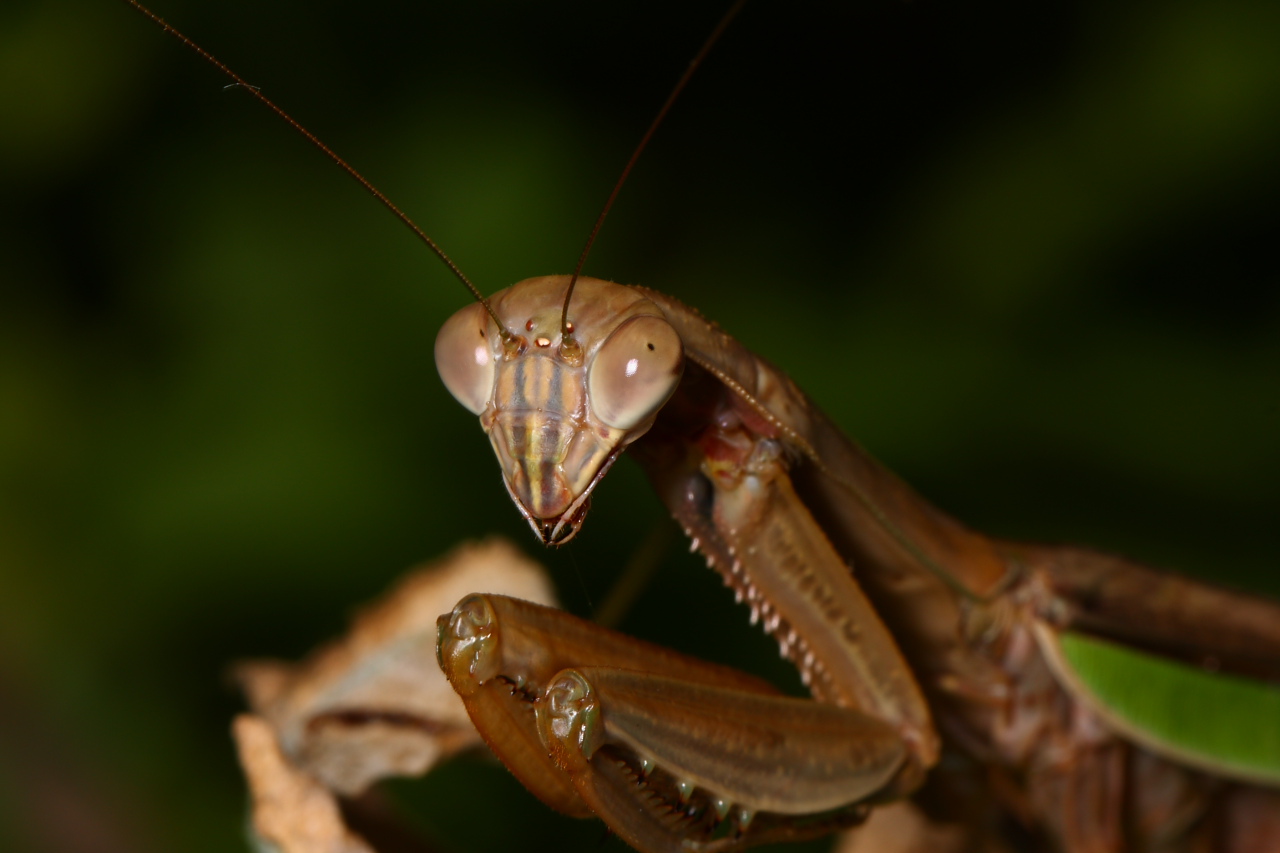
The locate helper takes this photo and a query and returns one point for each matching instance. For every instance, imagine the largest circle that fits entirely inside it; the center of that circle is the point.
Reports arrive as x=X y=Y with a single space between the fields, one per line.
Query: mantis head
x=559 y=408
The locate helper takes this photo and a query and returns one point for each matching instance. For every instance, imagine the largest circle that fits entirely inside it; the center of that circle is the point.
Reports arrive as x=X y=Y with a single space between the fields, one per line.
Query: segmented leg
x=673 y=753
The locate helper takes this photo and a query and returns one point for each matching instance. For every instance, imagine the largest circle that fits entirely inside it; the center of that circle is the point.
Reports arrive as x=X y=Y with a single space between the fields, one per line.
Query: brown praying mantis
x=919 y=636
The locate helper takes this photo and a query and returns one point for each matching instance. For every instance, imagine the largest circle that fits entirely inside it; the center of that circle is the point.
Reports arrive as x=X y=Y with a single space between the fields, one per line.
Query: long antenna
x=507 y=337
x=566 y=330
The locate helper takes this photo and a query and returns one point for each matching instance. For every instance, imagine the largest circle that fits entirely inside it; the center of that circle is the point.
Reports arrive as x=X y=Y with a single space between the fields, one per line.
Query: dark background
x=1026 y=253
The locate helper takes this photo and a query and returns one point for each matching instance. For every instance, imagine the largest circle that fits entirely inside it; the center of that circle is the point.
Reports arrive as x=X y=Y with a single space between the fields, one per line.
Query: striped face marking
x=557 y=423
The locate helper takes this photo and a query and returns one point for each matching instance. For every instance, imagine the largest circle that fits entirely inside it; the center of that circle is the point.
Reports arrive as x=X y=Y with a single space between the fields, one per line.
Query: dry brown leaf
x=375 y=703
x=902 y=827
x=291 y=812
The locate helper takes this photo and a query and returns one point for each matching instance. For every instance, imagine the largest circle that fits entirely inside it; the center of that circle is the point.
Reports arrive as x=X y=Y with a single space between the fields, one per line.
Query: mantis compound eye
x=464 y=357
x=635 y=371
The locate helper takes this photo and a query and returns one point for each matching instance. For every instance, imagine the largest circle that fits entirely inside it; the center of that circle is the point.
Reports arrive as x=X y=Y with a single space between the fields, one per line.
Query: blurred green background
x=1026 y=253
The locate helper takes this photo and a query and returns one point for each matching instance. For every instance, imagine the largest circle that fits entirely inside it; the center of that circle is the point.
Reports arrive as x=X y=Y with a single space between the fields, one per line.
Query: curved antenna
x=507 y=337
x=566 y=328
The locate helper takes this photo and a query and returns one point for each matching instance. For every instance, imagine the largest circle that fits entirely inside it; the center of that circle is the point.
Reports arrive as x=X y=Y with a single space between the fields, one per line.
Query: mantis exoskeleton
x=790 y=513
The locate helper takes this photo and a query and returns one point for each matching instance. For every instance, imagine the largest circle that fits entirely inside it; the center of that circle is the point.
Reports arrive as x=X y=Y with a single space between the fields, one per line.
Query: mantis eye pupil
x=635 y=371
x=466 y=367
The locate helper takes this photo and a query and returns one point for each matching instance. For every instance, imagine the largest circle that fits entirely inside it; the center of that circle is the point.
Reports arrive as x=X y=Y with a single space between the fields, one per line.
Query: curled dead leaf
x=902 y=827
x=291 y=812
x=375 y=703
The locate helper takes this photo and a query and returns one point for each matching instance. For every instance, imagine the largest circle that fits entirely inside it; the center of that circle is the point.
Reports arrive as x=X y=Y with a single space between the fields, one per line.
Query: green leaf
x=1222 y=723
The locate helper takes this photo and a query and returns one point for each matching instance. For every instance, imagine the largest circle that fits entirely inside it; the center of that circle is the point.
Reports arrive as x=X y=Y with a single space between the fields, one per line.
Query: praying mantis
x=785 y=336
